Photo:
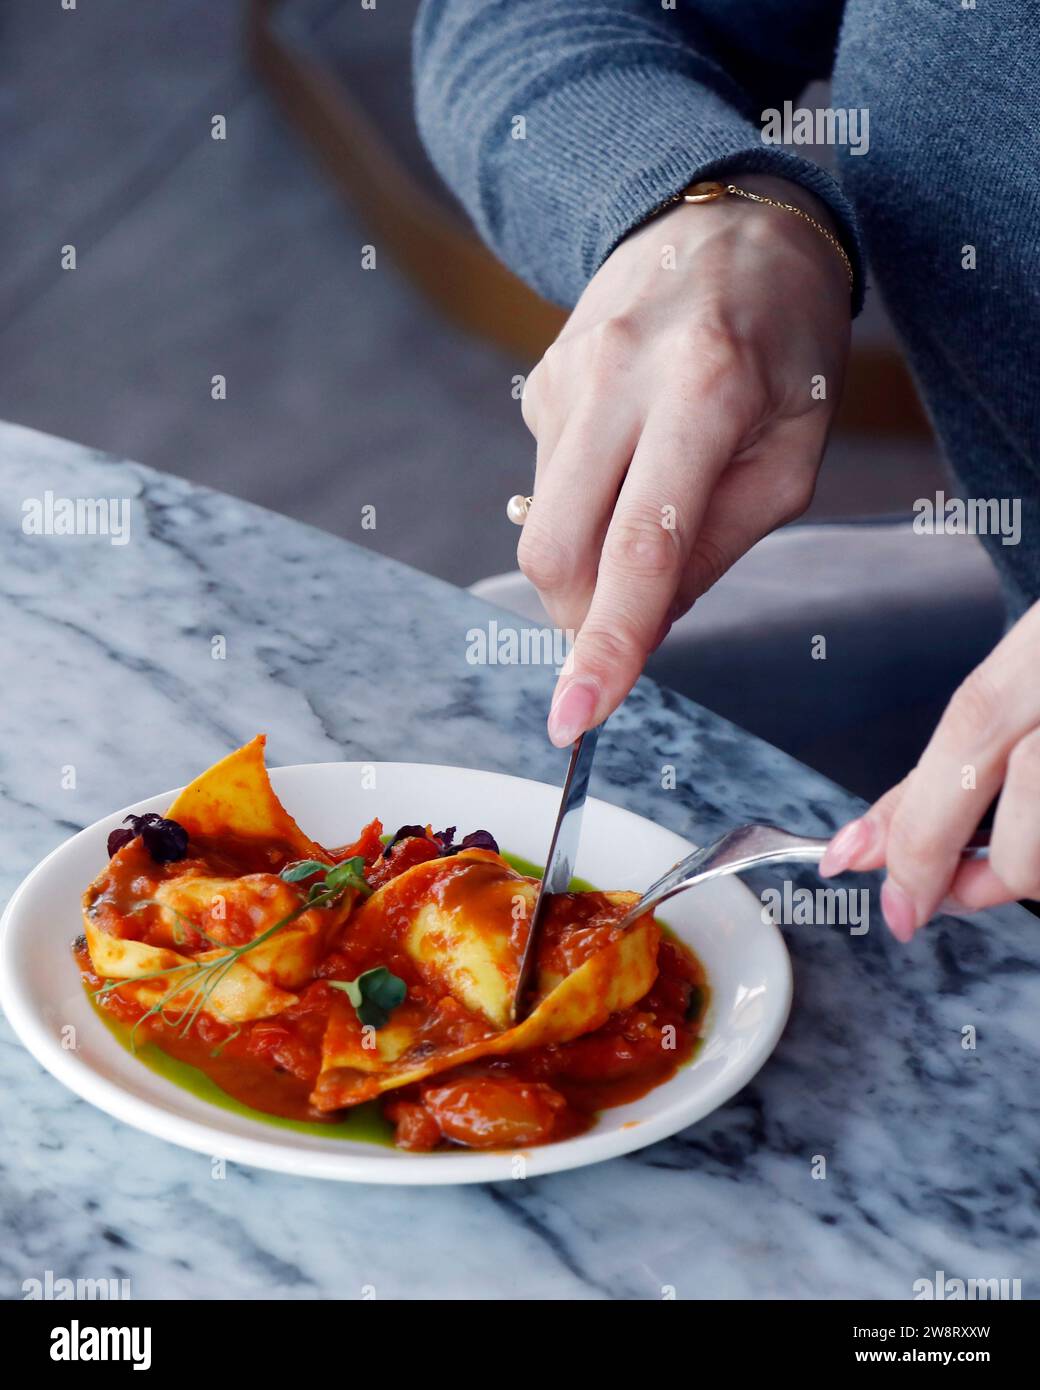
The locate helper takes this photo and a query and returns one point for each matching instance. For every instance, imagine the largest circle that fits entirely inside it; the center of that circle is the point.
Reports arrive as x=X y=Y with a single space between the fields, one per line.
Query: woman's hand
x=679 y=419
x=988 y=741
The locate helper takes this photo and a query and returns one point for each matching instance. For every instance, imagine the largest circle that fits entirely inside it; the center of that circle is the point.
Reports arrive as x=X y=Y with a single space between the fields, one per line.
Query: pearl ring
x=517 y=508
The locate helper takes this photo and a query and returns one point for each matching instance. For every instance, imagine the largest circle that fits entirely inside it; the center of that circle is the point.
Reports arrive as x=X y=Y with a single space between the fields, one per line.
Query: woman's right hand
x=680 y=416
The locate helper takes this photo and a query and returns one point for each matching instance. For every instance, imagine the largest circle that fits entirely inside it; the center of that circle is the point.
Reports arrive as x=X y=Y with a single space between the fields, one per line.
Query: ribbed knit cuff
x=625 y=140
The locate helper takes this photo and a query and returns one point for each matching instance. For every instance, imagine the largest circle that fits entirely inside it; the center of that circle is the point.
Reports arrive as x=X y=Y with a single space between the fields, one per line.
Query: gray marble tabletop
x=930 y=1145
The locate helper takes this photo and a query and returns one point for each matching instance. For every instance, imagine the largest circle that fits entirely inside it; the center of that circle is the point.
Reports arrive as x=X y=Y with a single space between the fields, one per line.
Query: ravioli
x=234 y=798
x=238 y=997
x=305 y=1007
x=458 y=921
x=233 y=806
x=251 y=904
x=614 y=978
x=463 y=921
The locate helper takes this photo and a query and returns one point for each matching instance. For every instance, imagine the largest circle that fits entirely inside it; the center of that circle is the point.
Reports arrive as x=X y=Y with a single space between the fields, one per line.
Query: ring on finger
x=517 y=508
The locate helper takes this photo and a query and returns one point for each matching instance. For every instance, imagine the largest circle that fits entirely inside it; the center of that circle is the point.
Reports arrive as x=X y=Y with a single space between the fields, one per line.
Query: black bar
x=59 y=1337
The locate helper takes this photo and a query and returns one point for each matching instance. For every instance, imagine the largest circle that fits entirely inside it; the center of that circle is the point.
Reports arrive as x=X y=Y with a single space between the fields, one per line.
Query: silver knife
x=562 y=856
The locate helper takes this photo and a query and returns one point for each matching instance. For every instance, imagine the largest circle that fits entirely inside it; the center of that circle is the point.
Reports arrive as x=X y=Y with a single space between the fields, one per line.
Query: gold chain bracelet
x=710 y=191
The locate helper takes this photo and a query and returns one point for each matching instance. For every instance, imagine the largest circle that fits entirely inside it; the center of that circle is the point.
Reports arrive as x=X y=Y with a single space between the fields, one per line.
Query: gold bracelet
x=710 y=190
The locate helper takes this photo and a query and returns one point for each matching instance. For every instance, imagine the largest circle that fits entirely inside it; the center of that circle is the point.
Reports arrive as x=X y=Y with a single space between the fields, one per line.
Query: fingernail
x=851 y=840
x=573 y=709
x=900 y=913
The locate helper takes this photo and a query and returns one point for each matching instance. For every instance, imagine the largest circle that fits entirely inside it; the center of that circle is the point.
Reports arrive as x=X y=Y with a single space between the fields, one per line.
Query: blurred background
x=243 y=257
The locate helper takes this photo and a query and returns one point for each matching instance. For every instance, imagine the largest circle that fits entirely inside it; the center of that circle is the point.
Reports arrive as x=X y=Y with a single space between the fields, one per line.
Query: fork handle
x=747 y=847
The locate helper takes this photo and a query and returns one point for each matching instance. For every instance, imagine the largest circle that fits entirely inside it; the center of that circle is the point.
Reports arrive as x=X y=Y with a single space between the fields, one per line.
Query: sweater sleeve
x=562 y=124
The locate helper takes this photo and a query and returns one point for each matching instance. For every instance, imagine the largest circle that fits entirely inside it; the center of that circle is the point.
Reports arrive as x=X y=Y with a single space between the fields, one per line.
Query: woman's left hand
x=988 y=741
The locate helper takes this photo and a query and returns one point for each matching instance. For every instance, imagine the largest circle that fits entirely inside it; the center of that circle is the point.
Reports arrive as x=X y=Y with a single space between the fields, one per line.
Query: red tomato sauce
x=528 y=1098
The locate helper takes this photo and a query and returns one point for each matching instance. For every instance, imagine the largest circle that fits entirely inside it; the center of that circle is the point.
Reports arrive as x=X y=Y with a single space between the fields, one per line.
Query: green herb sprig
x=374 y=994
x=335 y=878
x=203 y=977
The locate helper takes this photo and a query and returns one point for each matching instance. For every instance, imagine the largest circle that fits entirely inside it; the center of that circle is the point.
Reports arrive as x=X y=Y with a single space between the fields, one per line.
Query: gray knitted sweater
x=562 y=124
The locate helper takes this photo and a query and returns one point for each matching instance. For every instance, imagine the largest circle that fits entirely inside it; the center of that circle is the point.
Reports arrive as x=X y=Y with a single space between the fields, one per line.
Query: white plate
x=747 y=963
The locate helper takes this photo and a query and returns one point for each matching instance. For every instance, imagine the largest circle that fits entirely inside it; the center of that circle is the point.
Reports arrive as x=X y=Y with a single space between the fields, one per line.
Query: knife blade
x=562 y=856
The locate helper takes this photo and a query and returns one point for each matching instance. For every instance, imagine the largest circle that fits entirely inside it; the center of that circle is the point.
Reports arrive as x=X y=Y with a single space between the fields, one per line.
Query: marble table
x=930 y=1146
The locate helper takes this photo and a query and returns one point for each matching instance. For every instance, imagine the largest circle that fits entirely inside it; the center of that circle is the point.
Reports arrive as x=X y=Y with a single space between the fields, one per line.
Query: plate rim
x=277 y=1153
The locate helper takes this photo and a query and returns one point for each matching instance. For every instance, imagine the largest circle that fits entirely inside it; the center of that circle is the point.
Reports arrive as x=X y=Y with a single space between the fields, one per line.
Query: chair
x=904 y=618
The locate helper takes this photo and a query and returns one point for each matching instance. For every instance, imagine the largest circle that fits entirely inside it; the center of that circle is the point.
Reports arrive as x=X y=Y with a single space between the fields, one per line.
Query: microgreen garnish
x=406 y=832
x=374 y=994
x=303 y=868
x=165 y=840
x=349 y=873
x=201 y=978
x=218 y=1050
x=183 y=927
x=477 y=839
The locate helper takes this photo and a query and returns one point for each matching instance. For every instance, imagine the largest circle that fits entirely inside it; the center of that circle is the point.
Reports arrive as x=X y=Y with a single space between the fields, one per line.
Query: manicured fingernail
x=900 y=913
x=851 y=840
x=573 y=709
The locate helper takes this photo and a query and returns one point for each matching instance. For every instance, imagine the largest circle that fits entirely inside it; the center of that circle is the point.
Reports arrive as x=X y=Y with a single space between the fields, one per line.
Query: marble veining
x=931 y=1150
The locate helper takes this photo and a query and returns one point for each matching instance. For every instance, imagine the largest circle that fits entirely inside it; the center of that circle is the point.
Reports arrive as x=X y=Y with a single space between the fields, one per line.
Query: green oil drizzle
x=531 y=870
x=363 y=1124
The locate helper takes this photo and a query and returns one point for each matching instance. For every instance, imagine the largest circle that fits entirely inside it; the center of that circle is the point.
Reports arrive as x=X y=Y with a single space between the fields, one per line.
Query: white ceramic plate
x=747 y=963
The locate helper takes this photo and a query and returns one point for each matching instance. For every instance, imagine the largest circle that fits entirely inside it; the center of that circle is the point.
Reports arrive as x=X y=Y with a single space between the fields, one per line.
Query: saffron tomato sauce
x=271 y=1064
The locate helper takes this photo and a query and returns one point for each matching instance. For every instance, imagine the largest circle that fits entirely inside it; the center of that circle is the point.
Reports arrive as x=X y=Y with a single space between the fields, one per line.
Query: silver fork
x=744 y=848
